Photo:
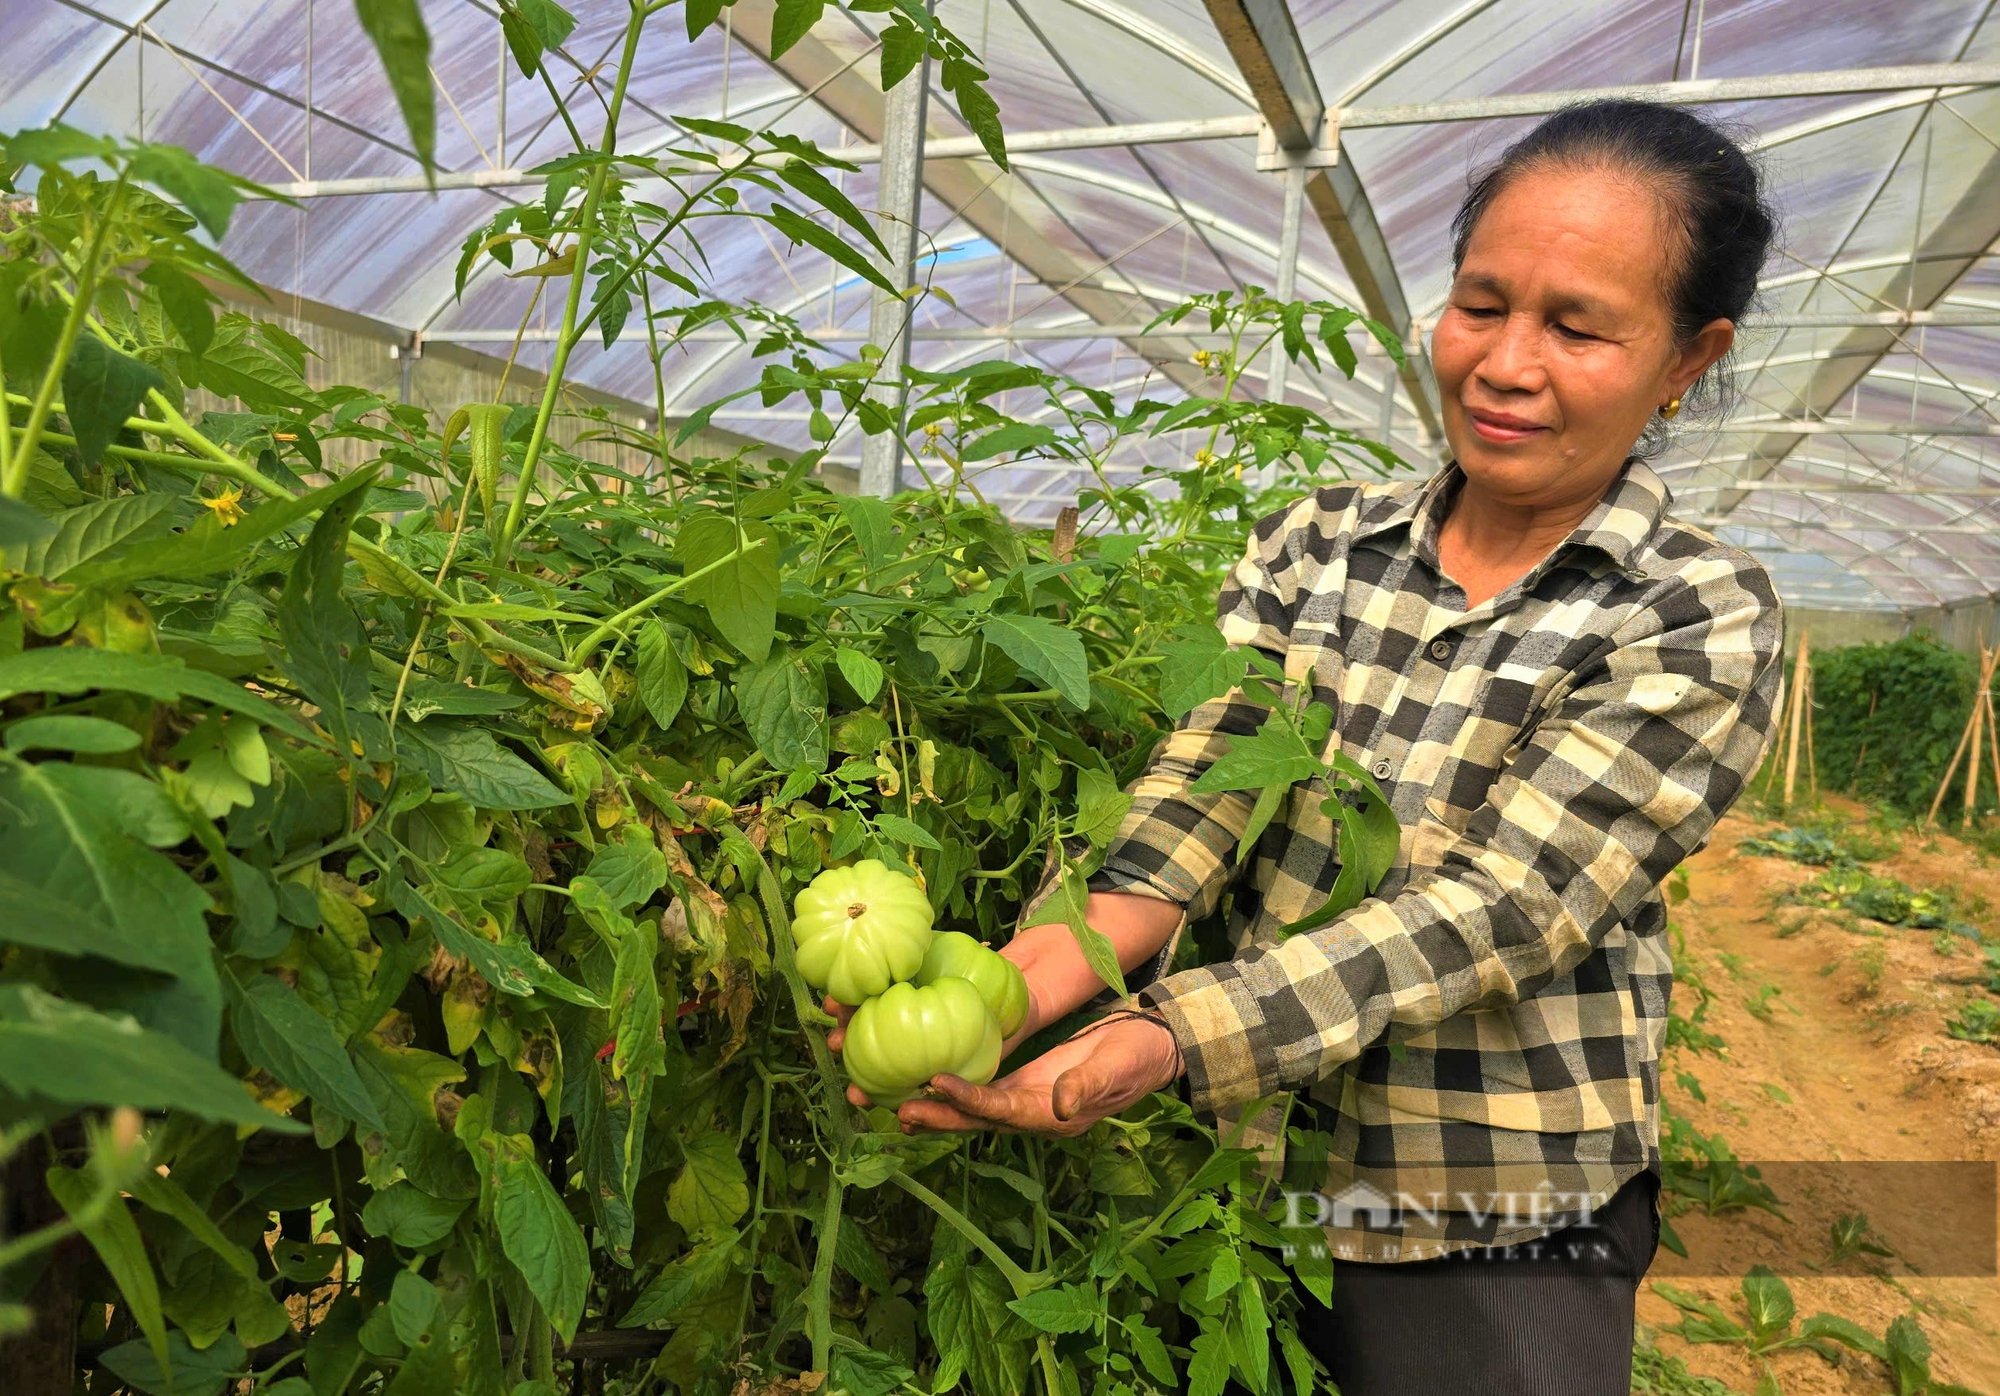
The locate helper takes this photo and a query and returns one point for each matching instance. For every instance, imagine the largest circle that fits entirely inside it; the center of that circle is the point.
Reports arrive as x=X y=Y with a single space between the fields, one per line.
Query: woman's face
x=1556 y=342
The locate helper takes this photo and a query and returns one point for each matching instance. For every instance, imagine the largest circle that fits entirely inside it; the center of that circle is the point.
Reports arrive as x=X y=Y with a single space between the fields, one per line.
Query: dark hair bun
x=1712 y=193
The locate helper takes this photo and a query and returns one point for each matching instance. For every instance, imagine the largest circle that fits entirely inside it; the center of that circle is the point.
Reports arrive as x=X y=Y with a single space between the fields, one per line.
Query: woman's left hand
x=1063 y=1092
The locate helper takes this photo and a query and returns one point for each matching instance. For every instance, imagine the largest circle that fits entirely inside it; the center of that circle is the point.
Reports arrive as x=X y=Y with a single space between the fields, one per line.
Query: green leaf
x=711 y=1191
x=91 y=530
x=1014 y=437
x=411 y=1217
x=1208 y=1372
x=902 y=47
x=209 y=545
x=1100 y=805
x=862 y=671
x=90 y=736
x=510 y=965
x=22 y=525
x=980 y=112
x=396 y=28
x=72 y=1055
x=278 y=1032
x=195 y=1373
x=793 y=20
x=663 y=679
x=701 y=14
x=68 y=670
x=1073 y=892
x=1045 y=650
x=468 y=761
x=801 y=229
x=325 y=650
x=905 y=831
x=1198 y=666
x=1152 y=1353
x=783 y=702
x=189 y=306
x=862 y=1371
x=535 y=1230
x=690 y=1277
x=101 y=388
x=1273 y=755
x=233 y=366
x=77 y=878
x=873 y=525
x=1070 y=1308
x=631 y=870
x=158 y=1192
x=115 y=1237
x=740 y=595
x=532 y=28
x=820 y=190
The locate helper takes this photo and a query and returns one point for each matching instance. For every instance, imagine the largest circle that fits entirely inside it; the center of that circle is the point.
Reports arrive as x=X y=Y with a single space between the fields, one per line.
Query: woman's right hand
x=1059 y=979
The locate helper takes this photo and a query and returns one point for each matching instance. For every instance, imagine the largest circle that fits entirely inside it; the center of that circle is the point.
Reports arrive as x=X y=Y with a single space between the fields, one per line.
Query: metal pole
x=1288 y=273
x=900 y=191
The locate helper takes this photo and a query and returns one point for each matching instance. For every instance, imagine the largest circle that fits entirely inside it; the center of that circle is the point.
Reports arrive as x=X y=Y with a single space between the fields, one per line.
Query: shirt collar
x=1618 y=526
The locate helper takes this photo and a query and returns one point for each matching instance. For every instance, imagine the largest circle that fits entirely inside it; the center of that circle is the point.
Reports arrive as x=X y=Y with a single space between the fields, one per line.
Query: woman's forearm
x=1060 y=979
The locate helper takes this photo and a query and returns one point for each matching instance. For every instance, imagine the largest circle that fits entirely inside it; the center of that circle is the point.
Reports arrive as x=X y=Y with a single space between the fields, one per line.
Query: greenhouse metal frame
x=1314 y=149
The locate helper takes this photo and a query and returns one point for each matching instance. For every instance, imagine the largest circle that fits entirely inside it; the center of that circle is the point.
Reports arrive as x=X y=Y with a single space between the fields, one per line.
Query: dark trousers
x=1547 y=1318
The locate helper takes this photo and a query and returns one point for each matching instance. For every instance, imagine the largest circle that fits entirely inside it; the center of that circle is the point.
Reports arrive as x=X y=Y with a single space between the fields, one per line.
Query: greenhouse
x=769 y=697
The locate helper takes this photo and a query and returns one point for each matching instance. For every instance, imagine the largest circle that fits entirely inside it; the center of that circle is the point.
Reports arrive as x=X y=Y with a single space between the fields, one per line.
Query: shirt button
x=1382 y=769
x=1439 y=649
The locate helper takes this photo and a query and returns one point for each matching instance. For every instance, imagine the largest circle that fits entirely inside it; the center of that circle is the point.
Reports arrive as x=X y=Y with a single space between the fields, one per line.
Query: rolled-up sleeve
x=1174 y=844
x=1620 y=781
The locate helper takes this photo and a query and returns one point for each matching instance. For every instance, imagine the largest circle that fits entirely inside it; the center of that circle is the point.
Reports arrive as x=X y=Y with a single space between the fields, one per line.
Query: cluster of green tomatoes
x=925 y=1001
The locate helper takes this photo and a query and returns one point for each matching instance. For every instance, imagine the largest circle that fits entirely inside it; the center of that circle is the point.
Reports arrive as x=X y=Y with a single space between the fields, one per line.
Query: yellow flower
x=228 y=505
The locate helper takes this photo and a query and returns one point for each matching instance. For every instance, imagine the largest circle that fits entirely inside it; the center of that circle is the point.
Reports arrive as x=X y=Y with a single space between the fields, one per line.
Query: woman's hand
x=1059 y=979
x=1063 y=1092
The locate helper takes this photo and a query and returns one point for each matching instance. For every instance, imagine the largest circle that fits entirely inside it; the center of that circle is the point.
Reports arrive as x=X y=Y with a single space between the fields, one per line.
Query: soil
x=1846 y=1061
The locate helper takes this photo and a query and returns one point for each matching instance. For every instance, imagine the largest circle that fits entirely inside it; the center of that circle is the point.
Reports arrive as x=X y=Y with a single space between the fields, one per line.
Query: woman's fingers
x=836 y=1036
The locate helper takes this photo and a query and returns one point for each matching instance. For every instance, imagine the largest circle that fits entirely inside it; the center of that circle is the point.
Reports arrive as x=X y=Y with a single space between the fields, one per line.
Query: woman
x=1560 y=689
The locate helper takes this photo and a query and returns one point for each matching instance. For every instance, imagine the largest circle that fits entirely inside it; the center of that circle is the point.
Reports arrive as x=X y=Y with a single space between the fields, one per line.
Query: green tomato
x=860 y=929
x=909 y=1033
x=998 y=979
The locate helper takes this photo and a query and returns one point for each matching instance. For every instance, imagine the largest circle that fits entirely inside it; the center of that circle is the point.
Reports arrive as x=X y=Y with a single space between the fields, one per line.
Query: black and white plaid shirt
x=1552 y=754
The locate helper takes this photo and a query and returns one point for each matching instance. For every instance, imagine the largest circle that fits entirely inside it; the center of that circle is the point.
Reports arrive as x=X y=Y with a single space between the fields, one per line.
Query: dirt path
x=1846 y=1059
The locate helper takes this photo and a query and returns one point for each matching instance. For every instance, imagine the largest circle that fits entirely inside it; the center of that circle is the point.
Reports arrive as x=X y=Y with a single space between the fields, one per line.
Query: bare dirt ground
x=1847 y=1059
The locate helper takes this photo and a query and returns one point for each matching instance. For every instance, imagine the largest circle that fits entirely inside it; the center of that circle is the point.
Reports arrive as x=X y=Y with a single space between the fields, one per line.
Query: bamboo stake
x=1978 y=730
x=1798 y=716
x=1856 y=772
x=1812 y=769
x=1992 y=747
x=1986 y=662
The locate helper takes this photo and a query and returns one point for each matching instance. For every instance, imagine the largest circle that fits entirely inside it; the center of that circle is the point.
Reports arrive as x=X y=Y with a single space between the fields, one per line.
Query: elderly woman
x=1560 y=688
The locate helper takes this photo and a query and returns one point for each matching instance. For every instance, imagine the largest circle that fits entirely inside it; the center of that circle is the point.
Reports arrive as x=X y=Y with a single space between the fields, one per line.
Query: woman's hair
x=1720 y=223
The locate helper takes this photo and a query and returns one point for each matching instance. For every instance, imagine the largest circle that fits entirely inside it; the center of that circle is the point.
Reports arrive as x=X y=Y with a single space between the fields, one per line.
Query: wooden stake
x=1855 y=773
x=1978 y=730
x=1986 y=662
x=1993 y=747
x=1812 y=770
x=1798 y=716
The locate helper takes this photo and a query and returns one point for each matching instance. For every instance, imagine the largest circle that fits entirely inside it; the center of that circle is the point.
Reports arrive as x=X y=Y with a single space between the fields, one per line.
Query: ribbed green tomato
x=909 y=1033
x=998 y=979
x=860 y=929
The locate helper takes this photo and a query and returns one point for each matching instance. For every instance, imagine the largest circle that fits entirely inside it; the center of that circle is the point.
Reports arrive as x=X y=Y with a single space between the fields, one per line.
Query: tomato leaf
x=741 y=594
x=1045 y=650
x=535 y=1231
x=101 y=388
x=278 y=1032
x=396 y=28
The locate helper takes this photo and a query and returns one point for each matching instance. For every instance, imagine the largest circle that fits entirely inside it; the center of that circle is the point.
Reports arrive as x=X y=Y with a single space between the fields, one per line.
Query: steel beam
x=1264 y=42
x=1008 y=212
x=900 y=195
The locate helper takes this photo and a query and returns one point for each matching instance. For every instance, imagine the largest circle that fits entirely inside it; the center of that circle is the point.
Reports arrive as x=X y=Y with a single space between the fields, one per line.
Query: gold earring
x=1673 y=406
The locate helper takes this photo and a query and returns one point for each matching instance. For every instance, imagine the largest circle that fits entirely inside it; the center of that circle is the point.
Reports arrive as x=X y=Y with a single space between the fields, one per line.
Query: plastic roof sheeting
x=1891 y=202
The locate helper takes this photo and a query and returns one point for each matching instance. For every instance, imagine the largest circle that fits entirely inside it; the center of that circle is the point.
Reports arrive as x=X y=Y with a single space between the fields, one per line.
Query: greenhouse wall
x=1965 y=626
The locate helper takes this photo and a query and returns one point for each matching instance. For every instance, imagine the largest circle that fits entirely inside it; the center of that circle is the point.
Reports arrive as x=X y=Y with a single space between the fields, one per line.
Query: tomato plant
x=398 y=985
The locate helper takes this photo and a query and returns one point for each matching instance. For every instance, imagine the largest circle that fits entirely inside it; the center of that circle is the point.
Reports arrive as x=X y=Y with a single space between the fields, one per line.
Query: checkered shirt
x=1479 y=1040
